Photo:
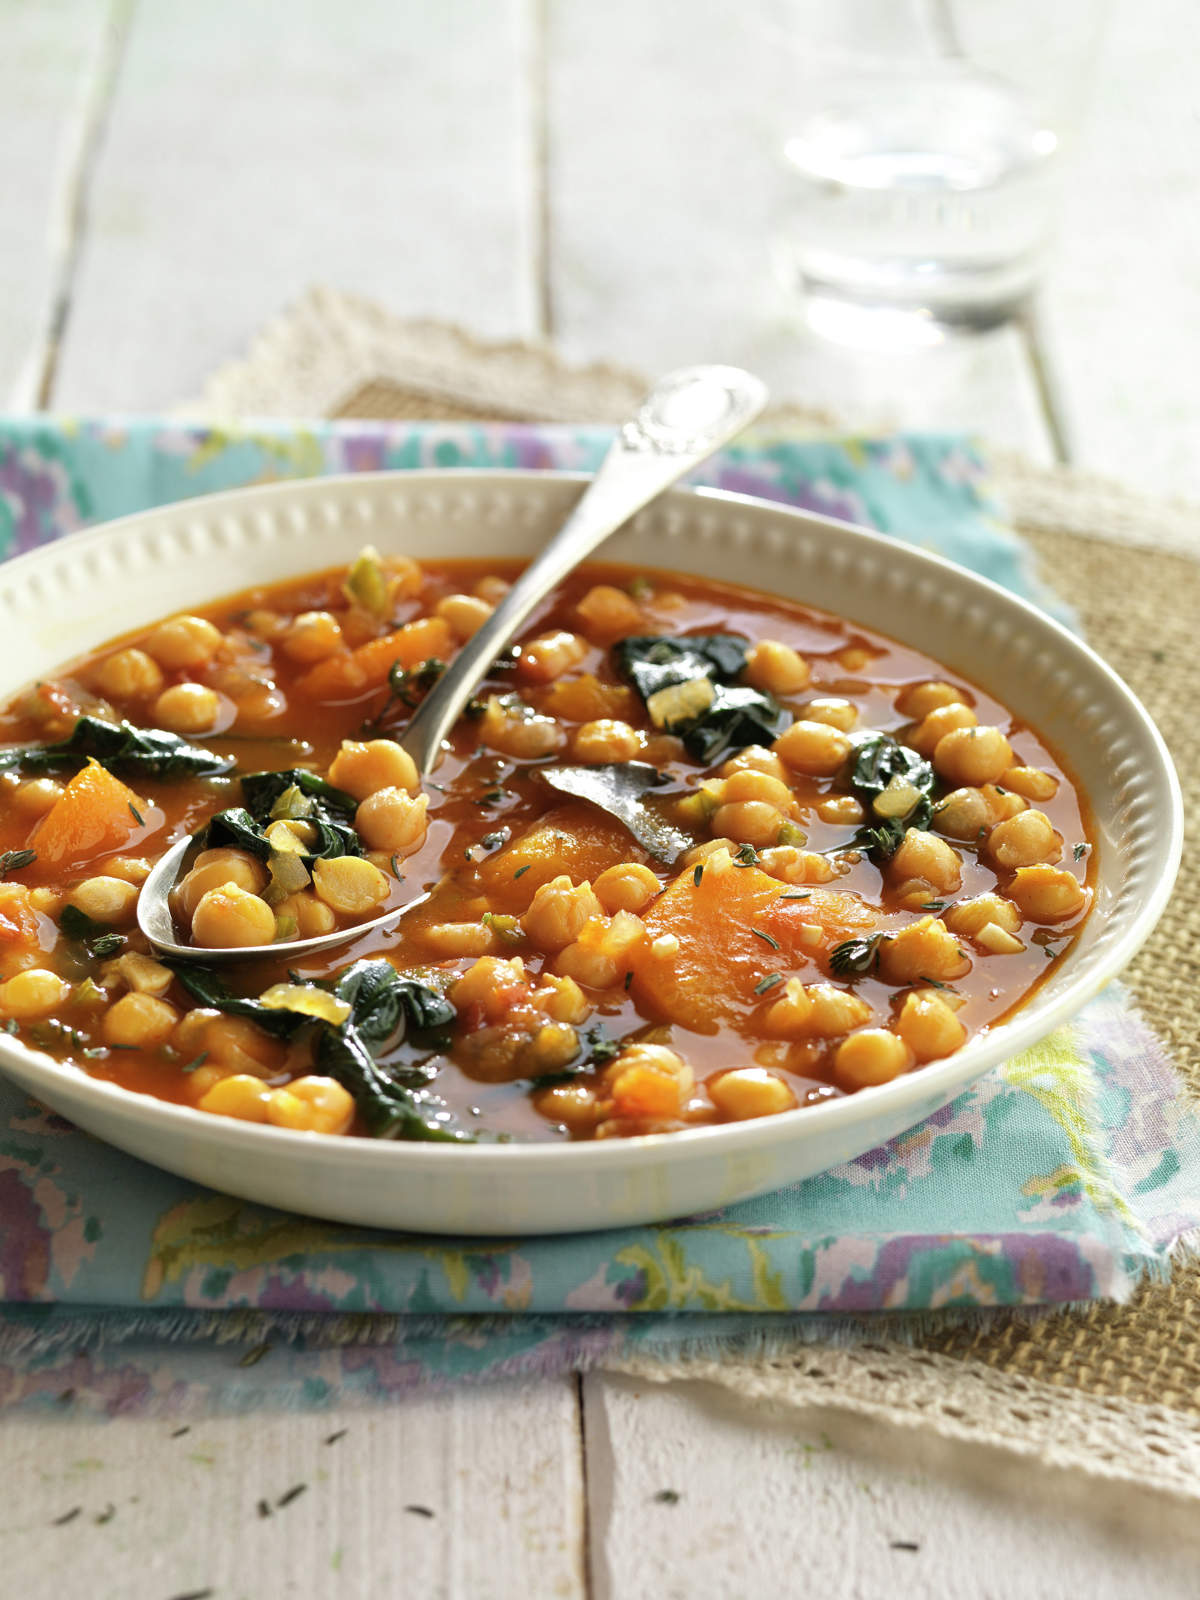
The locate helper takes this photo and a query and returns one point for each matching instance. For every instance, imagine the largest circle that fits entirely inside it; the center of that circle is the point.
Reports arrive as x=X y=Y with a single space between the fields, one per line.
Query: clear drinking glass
x=923 y=155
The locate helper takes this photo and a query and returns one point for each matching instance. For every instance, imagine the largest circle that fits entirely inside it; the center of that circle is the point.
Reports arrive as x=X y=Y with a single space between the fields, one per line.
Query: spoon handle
x=685 y=418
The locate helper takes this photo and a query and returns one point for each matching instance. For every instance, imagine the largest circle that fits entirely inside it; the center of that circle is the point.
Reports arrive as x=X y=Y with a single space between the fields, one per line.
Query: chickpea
x=834 y=713
x=791 y=1015
x=1031 y=783
x=748 y=1092
x=754 y=785
x=609 y=613
x=962 y=814
x=361 y=769
x=627 y=887
x=188 y=708
x=349 y=884
x=129 y=675
x=483 y=978
x=492 y=589
x=313 y=916
x=48 y=901
x=928 y=1026
x=917 y=700
x=312 y=1105
x=232 y=916
x=925 y=949
x=871 y=1057
x=134 y=869
x=214 y=868
x=574 y=1105
x=559 y=913
x=969 y=916
x=35 y=798
x=1047 y=894
x=648 y=1080
x=563 y=1000
x=606 y=739
x=925 y=856
x=776 y=668
x=813 y=748
x=464 y=614
x=1001 y=803
x=600 y=955
x=935 y=725
x=444 y=940
x=240 y=1096
x=748 y=822
x=789 y=864
x=36 y=992
x=182 y=643
x=840 y=810
x=239 y=1046
x=108 y=900
x=1026 y=840
x=972 y=755
x=551 y=654
x=519 y=731
x=140 y=1021
x=312 y=636
x=392 y=820
x=834 y=1011
x=756 y=758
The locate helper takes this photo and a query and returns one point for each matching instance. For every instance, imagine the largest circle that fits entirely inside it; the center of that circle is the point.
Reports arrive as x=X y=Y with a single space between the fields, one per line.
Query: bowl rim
x=937 y=1081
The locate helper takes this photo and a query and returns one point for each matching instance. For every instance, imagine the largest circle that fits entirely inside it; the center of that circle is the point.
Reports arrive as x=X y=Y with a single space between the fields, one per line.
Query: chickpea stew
x=884 y=861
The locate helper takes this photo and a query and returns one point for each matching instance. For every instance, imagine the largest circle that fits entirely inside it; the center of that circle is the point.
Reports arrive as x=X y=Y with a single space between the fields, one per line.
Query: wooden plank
x=663 y=202
x=1122 y=307
x=46 y=69
x=823 y=1503
x=254 y=150
x=161 y=1514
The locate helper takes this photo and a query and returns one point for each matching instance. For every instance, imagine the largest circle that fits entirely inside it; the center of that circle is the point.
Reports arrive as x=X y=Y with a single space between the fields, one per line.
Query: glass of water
x=923 y=156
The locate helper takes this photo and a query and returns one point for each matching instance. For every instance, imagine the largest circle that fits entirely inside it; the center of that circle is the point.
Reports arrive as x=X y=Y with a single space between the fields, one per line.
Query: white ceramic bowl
x=67 y=598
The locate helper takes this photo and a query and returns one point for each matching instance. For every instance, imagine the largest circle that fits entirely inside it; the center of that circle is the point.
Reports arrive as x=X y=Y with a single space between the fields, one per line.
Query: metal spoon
x=685 y=418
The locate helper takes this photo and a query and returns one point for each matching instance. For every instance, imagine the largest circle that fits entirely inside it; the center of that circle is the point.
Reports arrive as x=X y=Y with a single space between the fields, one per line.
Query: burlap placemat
x=1114 y=1390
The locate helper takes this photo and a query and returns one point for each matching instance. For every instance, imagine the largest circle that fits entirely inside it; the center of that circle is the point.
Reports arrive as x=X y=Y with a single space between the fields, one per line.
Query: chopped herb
x=628 y=980
x=291 y=1494
x=998 y=789
x=196 y=1061
x=67 y=1516
x=264 y=1508
x=122 y=749
x=698 y=874
x=419 y=1511
x=855 y=955
x=1080 y=851
x=179 y=1432
x=332 y=1438
x=765 y=937
x=797 y=894
x=903 y=1544
x=934 y=983
x=1051 y=954
x=493 y=841
x=14 y=860
x=935 y=905
x=392 y=862
x=521 y=871
x=106 y=1515
x=667 y=1497
x=136 y=814
x=745 y=856
x=769 y=982
x=254 y=1356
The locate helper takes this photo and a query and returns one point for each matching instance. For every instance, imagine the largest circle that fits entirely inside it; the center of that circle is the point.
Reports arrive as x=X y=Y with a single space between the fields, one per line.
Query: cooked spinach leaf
x=736 y=715
x=122 y=748
x=387 y=1009
x=96 y=939
x=877 y=762
x=290 y=795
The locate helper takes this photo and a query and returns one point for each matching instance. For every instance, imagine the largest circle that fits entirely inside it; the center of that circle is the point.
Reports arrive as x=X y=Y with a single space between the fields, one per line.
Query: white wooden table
x=599 y=175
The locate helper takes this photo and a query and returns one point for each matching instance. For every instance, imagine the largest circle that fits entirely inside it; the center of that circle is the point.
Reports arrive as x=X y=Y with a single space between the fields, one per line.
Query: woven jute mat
x=1111 y=1389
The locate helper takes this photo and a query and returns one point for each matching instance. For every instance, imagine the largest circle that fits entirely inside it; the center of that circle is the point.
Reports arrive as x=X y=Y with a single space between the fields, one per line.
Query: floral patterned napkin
x=1063 y=1176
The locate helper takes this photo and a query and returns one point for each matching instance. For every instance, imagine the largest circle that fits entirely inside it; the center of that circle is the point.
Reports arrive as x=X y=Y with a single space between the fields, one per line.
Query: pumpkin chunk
x=575 y=839
x=340 y=677
x=93 y=815
x=732 y=928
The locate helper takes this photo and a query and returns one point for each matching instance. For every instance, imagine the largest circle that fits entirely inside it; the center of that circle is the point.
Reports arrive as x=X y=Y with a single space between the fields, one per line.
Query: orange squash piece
x=91 y=817
x=728 y=926
x=586 y=699
x=574 y=838
x=341 y=677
